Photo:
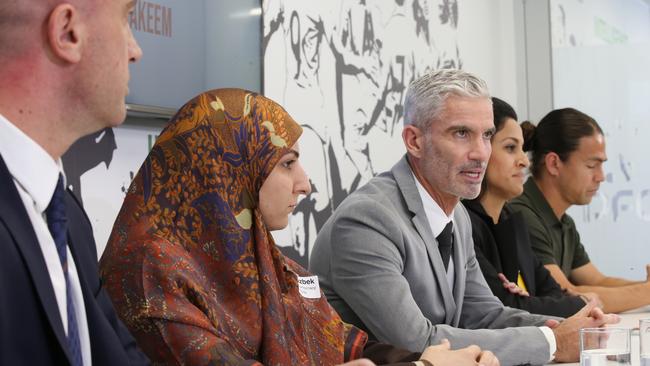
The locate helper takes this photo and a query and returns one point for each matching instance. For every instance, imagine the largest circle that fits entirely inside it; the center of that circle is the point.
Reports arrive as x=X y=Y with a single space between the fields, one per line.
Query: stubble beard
x=440 y=173
x=437 y=167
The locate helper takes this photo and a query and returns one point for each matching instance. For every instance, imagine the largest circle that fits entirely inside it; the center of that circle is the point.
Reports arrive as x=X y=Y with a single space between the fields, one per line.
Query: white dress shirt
x=36 y=174
x=437 y=221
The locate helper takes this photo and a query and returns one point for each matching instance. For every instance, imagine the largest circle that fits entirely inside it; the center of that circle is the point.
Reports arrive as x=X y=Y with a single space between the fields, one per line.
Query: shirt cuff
x=550 y=338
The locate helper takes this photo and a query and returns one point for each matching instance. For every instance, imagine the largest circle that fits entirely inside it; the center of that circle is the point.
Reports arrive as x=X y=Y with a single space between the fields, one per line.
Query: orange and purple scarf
x=191 y=267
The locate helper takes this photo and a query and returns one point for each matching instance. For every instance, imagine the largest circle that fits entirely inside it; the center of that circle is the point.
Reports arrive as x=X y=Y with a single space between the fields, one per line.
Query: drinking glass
x=604 y=346
x=644 y=341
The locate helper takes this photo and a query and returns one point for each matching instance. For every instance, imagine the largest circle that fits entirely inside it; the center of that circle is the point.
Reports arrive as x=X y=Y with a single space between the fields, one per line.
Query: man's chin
x=584 y=200
x=119 y=118
x=469 y=194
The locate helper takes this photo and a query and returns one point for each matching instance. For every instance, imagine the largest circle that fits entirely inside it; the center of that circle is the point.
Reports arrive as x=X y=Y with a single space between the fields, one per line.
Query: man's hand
x=566 y=332
x=511 y=286
x=487 y=358
x=442 y=355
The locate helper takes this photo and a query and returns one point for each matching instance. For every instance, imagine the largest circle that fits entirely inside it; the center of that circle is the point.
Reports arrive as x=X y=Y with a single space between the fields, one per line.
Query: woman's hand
x=512 y=287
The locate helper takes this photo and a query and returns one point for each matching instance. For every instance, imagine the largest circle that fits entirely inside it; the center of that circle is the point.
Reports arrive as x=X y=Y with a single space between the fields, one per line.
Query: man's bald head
x=23 y=24
x=65 y=67
x=19 y=20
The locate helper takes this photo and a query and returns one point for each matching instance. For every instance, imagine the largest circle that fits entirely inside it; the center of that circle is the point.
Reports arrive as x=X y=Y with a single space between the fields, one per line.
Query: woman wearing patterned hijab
x=191 y=265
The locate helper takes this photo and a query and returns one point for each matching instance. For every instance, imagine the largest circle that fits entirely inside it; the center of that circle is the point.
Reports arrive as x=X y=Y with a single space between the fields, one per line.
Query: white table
x=629 y=319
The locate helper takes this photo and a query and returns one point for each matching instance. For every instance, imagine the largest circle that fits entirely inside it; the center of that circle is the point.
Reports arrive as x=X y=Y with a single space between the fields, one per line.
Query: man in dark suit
x=64 y=75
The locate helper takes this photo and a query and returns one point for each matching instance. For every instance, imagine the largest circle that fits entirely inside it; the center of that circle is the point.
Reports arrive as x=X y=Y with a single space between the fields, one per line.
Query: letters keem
x=151 y=18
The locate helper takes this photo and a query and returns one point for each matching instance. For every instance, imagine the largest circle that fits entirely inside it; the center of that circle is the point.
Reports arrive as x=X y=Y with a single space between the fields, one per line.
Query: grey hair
x=427 y=94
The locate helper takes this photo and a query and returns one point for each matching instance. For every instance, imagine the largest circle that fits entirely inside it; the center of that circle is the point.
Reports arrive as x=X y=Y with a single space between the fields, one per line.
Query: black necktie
x=57 y=222
x=446 y=242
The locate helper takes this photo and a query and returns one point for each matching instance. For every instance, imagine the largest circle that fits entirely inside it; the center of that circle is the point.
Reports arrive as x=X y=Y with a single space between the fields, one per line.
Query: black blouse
x=505 y=248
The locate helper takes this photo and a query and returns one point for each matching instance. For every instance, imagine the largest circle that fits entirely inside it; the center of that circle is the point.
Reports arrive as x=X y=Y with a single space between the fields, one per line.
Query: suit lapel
x=405 y=180
x=506 y=242
x=14 y=215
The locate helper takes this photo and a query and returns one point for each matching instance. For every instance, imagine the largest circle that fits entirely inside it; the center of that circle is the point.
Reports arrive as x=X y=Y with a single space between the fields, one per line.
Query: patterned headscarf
x=191 y=267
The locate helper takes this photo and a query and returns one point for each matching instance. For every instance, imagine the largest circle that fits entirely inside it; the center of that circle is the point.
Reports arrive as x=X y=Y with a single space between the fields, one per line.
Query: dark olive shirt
x=553 y=241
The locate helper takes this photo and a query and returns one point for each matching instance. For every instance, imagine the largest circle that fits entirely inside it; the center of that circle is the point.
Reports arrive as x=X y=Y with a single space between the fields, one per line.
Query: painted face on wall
x=508 y=161
x=582 y=172
x=280 y=191
x=457 y=148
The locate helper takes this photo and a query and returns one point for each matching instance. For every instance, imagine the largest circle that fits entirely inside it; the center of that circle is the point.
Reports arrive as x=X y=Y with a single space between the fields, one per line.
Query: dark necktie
x=57 y=222
x=445 y=243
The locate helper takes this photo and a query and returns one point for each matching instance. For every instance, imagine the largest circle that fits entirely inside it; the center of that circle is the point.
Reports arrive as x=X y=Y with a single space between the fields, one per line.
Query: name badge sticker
x=308 y=287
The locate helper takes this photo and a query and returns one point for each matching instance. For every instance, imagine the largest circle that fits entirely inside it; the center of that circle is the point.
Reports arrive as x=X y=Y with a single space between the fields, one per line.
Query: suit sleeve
x=544 y=282
x=366 y=260
x=388 y=355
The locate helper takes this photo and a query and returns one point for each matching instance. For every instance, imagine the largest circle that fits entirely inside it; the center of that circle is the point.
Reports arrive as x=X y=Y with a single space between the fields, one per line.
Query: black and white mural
x=99 y=169
x=341 y=69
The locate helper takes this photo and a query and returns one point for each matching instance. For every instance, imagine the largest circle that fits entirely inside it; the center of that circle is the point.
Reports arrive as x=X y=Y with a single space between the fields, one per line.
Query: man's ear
x=65 y=33
x=552 y=162
x=413 y=138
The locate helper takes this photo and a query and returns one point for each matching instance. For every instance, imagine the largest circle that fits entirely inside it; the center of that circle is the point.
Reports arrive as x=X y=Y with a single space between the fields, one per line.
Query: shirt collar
x=538 y=200
x=29 y=164
x=435 y=214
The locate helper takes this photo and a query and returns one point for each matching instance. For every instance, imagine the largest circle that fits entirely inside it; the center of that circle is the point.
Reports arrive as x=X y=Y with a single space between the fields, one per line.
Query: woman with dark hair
x=191 y=265
x=568 y=152
x=501 y=239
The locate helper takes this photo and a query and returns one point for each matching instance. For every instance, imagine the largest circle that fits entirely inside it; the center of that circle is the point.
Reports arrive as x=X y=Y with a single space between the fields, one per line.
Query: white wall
x=601 y=53
x=487 y=36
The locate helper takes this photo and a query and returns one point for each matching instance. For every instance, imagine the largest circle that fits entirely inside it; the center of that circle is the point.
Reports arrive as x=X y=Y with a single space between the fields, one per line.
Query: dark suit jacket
x=31 y=330
x=505 y=248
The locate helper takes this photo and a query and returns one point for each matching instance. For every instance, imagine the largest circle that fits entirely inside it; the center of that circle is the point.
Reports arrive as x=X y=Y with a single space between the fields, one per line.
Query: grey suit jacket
x=379 y=266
